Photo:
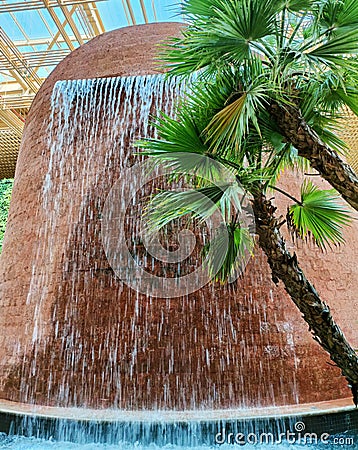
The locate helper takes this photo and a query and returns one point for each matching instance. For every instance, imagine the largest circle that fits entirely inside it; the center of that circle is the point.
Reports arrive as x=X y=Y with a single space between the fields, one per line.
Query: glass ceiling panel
x=114 y=14
x=66 y=26
x=35 y=35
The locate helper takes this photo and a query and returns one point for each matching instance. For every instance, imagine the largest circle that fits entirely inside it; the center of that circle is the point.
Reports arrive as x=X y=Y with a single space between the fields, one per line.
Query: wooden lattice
x=9 y=149
x=349 y=134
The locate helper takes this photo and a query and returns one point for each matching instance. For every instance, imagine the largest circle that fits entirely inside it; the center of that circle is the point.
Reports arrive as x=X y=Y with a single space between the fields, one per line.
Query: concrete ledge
x=113 y=415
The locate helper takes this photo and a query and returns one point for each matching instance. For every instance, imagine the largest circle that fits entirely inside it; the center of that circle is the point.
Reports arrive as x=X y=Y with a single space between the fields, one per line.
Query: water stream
x=95 y=342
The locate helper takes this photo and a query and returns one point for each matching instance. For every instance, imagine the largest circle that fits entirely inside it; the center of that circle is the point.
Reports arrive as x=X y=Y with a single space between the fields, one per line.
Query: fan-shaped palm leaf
x=334 y=14
x=200 y=8
x=348 y=15
x=221 y=31
x=334 y=51
x=228 y=251
x=198 y=203
x=349 y=96
x=298 y=5
x=230 y=125
x=319 y=215
x=328 y=134
x=281 y=160
x=174 y=136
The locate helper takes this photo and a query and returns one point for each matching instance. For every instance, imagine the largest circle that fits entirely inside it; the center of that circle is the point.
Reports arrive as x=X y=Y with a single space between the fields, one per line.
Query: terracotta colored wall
x=219 y=347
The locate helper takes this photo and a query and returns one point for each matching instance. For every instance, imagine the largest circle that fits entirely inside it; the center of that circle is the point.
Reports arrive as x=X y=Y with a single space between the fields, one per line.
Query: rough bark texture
x=308 y=144
x=315 y=312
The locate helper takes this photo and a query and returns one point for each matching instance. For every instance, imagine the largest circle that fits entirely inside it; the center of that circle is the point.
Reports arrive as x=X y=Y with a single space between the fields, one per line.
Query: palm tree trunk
x=331 y=167
x=315 y=312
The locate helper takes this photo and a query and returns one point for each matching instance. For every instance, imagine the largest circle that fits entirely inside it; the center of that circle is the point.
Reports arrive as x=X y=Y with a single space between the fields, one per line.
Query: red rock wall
x=219 y=347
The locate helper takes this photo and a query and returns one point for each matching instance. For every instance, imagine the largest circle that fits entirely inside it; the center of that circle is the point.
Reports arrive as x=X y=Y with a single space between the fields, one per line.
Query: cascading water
x=94 y=341
x=156 y=370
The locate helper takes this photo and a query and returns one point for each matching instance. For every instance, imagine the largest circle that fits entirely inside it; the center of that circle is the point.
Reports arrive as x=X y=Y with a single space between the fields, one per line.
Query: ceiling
x=35 y=35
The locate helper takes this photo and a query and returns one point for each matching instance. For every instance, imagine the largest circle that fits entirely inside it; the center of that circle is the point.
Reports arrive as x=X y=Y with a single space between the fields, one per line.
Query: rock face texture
x=71 y=333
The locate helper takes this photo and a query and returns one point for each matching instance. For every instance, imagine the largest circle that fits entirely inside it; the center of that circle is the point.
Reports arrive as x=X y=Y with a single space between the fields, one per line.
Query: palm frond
x=319 y=216
x=349 y=97
x=348 y=15
x=334 y=14
x=327 y=13
x=335 y=50
x=323 y=100
x=174 y=136
x=210 y=94
x=226 y=127
x=270 y=132
x=299 y=5
x=321 y=93
x=328 y=128
x=228 y=251
x=198 y=168
x=180 y=147
x=251 y=19
x=199 y=204
x=219 y=31
x=281 y=159
x=230 y=126
x=252 y=175
x=329 y=135
x=199 y=8
x=199 y=49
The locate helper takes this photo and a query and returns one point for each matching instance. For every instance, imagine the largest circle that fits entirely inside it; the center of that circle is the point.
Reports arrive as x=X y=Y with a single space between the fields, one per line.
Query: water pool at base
x=347 y=441
x=327 y=425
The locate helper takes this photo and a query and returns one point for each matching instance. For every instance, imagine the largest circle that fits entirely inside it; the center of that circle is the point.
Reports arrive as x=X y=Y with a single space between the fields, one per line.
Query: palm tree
x=307 y=50
x=272 y=78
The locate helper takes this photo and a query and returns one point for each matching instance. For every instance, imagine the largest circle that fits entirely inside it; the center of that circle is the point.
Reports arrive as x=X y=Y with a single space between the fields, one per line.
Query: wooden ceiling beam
x=70 y=21
x=94 y=18
x=38 y=4
x=20 y=67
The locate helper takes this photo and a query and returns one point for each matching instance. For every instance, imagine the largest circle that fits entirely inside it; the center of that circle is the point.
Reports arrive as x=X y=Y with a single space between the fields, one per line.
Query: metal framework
x=26 y=61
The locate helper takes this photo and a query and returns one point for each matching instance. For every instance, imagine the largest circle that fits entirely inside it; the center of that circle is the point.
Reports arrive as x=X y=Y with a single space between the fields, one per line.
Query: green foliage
x=296 y=42
x=318 y=215
x=199 y=203
x=5 y=195
x=234 y=121
x=336 y=14
x=249 y=55
x=227 y=251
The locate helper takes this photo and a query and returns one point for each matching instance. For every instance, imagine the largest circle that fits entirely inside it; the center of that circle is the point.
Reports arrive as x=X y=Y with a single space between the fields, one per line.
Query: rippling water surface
x=342 y=441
